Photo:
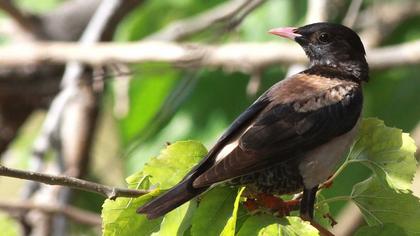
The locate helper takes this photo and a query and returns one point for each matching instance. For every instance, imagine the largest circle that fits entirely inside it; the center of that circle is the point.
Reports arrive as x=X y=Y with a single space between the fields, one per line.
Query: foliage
x=388 y=152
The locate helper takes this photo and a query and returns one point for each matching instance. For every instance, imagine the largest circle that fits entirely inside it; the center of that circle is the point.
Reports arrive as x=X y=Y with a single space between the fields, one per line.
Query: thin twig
x=74 y=213
x=186 y=27
x=380 y=20
x=244 y=13
x=71 y=182
x=352 y=13
x=24 y=20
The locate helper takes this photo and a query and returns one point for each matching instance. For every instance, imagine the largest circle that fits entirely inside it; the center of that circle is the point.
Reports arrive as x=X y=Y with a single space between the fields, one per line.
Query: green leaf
x=382 y=230
x=321 y=209
x=214 y=211
x=230 y=227
x=270 y=225
x=381 y=204
x=119 y=217
x=388 y=152
x=178 y=221
x=174 y=163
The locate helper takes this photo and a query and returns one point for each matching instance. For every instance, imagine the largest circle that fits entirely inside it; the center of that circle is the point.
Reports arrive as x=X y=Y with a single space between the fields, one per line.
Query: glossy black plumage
x=269 y=147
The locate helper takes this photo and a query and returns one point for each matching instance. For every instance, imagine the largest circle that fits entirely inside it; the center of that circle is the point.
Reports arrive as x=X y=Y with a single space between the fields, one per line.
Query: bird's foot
x=268 y=202
x=251 y=205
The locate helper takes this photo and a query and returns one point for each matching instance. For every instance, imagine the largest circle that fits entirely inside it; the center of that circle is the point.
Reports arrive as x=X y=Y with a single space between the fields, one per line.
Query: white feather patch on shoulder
x=227 y=149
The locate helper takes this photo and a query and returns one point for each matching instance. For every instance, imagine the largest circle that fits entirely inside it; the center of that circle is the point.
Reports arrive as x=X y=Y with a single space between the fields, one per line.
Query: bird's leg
x=307 y=203
x=276 y=204
x=307 y=210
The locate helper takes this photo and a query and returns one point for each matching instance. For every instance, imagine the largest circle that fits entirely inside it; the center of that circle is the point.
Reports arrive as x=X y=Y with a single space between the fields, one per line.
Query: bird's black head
x=330 y=44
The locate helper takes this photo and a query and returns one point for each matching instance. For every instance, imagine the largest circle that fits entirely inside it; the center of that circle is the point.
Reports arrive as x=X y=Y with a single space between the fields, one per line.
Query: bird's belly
x=283 y=178
x=319 y=164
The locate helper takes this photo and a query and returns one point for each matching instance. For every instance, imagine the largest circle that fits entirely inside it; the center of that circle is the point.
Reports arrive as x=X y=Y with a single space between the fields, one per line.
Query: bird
x=295 y=134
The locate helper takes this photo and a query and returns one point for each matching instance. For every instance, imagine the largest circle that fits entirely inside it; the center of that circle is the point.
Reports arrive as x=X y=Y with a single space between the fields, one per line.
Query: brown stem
x=104 y=190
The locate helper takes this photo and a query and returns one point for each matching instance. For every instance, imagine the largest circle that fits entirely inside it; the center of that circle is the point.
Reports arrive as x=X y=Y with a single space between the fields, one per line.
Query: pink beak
x=287 y=32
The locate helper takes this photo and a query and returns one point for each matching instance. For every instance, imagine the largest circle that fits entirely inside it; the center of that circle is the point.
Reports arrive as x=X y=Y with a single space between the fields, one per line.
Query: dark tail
x=170 y=200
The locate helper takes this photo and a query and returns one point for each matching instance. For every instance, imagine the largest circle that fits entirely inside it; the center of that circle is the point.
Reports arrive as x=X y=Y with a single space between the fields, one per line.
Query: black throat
x=357 y=68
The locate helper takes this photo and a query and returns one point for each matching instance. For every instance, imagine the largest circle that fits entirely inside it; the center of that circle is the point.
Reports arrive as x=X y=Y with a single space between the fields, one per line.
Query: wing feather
x=282 y=129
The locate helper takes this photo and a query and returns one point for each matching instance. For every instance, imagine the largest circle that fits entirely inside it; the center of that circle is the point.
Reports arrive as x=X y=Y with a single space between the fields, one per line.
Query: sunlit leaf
x=267 y=225
x=230 y=227
x=173 y=163
x=381 y=204
x=321 y=210
x=388 y=152
x=178 y=221
x=214 y=211
x=119 y=217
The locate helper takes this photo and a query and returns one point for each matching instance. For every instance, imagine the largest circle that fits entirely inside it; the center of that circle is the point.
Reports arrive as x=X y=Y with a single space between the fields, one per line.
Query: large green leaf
x=230 y=227
x=119 y=217
x=173 y=163
x=381 y=204
x=178 y=221
x=268 y=225
x=388 y=152
x=321 y=210
x=214 y=211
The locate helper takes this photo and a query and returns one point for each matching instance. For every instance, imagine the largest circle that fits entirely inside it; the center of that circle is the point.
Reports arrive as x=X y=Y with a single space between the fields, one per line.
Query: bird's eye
x=324 y=38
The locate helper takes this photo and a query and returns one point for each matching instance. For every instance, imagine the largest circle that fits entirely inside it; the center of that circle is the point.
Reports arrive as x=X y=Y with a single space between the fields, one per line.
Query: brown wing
x=303 y=112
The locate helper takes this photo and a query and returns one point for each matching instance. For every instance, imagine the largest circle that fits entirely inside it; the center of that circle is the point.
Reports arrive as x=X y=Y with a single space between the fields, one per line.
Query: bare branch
x=231 y=56
x=104 y=190
x=352 y=13
x=76 y=214
x=71 y=77
x=184 y=28
x=24 y=20
x=398 y=55
x=317 y=11
x=245 y=12
x=379 y=21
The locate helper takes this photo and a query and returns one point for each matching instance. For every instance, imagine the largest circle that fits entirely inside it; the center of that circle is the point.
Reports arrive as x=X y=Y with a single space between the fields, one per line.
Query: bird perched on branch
x=293 y=136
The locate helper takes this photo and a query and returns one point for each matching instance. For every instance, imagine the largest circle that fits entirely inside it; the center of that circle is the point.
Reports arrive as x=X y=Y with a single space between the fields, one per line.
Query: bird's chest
x=319 y=164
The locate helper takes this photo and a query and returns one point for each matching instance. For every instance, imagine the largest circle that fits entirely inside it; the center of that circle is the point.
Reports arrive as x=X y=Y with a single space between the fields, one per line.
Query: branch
x=186 y=27
x=24 y=20
x=399 y=55
x=75 y=183
x=76 y=214
x=317 y=11
x=352 y=13
x=379 y=21
x=233 y=56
